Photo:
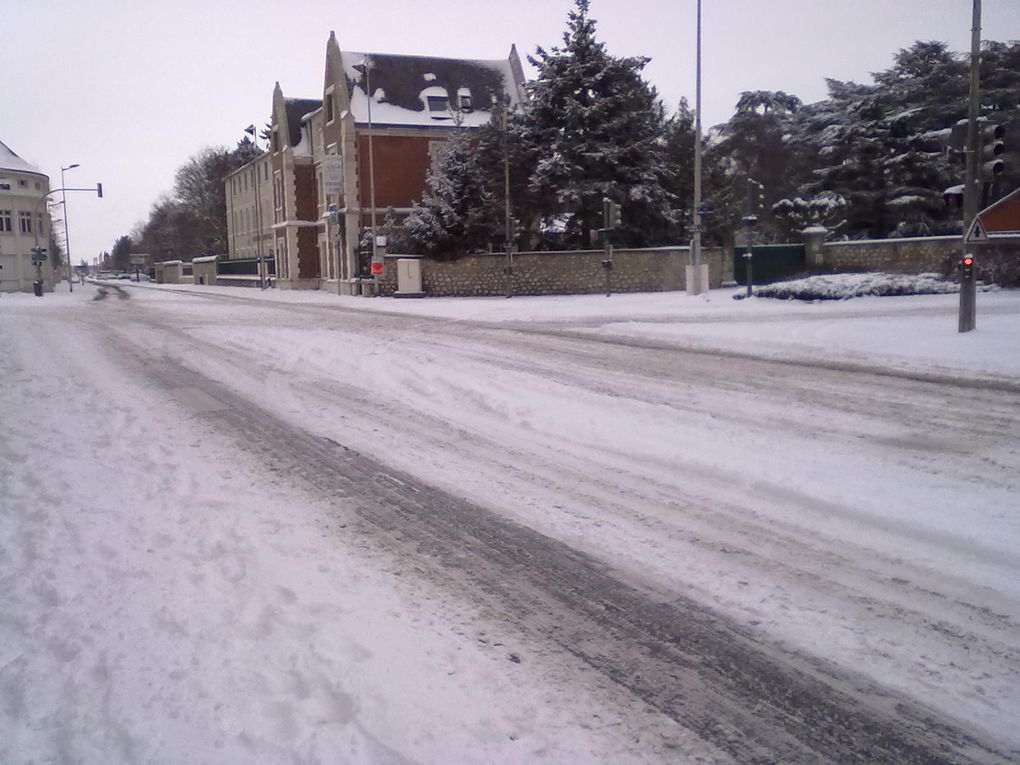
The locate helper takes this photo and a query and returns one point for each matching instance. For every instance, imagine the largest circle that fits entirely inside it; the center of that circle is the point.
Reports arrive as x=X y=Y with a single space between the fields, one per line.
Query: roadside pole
x=971 y=202
x=610 y=220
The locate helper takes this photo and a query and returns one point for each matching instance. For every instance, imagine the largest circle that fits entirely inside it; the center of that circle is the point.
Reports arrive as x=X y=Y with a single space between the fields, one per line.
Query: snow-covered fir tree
x=459 y=211
x=885 y=147
x=599 y=126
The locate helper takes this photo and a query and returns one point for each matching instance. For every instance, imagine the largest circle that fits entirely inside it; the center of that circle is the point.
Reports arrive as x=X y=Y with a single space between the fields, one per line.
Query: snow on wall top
x=11 y=161
x=402 y=85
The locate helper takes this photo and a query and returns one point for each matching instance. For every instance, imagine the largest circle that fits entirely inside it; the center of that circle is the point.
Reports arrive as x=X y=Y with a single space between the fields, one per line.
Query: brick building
x=280 y=204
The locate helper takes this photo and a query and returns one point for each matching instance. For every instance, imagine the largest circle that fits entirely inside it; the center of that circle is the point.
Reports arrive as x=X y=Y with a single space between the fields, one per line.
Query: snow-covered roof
x=402 y=86
x=296 y=109
x=11 y=161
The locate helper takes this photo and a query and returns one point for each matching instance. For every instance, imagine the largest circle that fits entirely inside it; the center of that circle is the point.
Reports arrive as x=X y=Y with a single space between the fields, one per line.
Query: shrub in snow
x=845 y=286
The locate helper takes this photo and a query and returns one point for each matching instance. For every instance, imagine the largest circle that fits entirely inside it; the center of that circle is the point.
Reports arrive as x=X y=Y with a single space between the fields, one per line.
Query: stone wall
x=997 y=262
x=655 y=269
x=936 y=254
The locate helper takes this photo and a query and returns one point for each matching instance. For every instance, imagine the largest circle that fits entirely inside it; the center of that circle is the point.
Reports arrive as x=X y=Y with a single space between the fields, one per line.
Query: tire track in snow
x=682 y=659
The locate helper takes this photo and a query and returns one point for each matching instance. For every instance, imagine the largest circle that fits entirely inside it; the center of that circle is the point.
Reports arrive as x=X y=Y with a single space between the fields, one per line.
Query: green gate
x=772 y=262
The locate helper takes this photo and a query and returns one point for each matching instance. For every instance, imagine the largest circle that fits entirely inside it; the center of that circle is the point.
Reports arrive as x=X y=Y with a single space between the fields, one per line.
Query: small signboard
x=332 y=167
x=138 y=260
x=976 y=234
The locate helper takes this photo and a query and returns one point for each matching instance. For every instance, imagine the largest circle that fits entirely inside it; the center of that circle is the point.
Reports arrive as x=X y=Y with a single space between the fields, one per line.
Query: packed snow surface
x=168 y=601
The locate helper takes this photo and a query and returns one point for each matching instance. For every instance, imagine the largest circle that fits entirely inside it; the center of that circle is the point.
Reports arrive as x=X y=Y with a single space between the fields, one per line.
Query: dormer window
x=439 y=103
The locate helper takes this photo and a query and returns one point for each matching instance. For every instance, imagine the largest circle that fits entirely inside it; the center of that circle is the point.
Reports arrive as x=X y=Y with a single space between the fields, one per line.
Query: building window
x=329 y=107
x=5 y=222
x=465 y=103
x=39 y=224
x=439 y=103
x=25 y=220
x=276 y=140
x=22 y=182
x=5 y=185
x=38 y=186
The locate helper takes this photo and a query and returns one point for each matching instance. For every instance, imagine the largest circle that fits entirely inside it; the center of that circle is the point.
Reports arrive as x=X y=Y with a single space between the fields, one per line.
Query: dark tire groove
x=692 y=665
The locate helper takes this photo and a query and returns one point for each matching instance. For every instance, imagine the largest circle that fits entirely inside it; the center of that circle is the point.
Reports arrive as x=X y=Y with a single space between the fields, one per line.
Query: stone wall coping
x=206 y=259
x=616 y=250
x=893 y=241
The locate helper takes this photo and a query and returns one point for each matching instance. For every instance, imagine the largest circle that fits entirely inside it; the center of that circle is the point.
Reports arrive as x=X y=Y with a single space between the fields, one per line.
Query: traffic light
x=958 y=138
x=992 y=148
x=99 y=190
x=755 y=194
x=610 y=213
x=967 y=267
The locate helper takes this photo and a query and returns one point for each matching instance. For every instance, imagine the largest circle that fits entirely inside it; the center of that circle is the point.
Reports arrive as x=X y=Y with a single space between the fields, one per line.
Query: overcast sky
x=131 y=88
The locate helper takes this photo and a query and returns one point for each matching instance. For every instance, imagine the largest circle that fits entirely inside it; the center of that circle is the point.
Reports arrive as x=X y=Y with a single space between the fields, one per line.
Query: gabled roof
x=297 y=108
x=1002 y=219
x=402 y=84
x=11 y=161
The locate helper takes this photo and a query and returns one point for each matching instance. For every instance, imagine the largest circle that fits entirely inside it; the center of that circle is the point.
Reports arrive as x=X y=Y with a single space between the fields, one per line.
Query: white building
x=24 y=223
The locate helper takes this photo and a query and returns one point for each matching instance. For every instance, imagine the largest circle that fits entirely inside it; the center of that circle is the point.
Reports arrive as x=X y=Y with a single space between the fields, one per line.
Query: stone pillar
x=814 y=245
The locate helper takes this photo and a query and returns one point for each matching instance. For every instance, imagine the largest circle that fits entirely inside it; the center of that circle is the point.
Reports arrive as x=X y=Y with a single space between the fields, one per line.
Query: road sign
x=976 y=234
x=138 y=260
x=332 y=174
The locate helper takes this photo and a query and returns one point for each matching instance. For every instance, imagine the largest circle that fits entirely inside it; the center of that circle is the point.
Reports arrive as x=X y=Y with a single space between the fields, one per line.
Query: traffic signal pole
x=971 y=197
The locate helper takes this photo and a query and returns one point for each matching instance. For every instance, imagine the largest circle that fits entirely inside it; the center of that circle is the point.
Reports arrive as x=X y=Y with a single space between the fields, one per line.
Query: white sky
x=131 y=88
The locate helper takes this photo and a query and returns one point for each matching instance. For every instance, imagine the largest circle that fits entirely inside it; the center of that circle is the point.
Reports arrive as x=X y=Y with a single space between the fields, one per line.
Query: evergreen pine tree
x=459 y=211
x=600 y=126
x=677 y=170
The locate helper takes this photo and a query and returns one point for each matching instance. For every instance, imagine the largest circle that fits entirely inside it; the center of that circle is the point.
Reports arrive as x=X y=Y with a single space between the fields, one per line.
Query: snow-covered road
x=859 y=525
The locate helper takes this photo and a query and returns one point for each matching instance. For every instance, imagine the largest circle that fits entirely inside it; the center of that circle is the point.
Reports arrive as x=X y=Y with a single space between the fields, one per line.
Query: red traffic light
x=968 y=261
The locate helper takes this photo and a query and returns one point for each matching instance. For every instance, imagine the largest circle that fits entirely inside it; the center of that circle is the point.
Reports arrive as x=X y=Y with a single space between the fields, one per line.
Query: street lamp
x=695 y=270
x=67 y=239
x=366 y=65
x=253 y=132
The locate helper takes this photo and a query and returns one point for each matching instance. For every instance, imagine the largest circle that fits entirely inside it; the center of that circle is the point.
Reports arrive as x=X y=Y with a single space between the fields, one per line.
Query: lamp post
x=67 y=238
x=263 y=267
x=367 y=66
x=696 y=227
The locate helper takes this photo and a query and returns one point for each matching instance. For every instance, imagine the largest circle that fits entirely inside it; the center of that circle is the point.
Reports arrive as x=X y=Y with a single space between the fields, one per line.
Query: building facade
x=308 y=200
x=24 y=224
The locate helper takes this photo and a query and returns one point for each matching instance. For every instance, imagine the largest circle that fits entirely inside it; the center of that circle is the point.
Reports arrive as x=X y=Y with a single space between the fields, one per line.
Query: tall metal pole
x=67 y=238
x=971 y=201
x=263 y=267
x=505 y=125
x=371 y=164
x=696 y=229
